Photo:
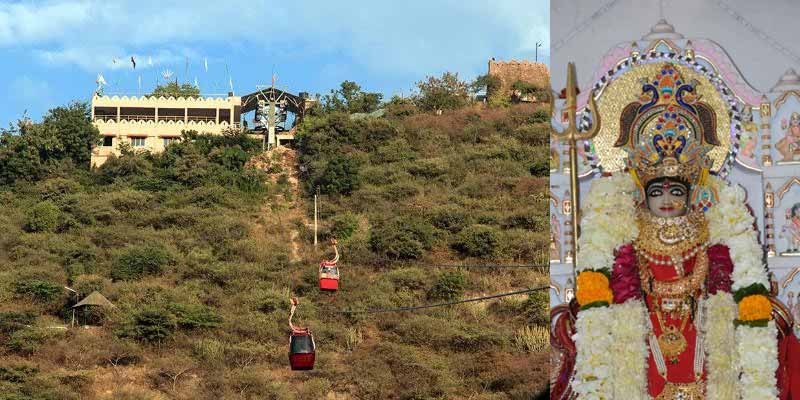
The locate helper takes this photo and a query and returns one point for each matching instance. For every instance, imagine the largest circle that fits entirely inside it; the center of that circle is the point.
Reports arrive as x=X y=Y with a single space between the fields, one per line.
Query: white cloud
x=97 y=58
x=400 y=37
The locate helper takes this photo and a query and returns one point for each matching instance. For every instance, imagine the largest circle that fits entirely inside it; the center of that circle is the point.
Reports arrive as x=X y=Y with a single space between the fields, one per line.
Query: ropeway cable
x=414 y=308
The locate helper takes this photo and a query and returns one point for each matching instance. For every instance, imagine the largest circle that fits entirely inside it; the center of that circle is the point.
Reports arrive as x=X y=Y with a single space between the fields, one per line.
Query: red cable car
x=301 y=345
x=329 y=272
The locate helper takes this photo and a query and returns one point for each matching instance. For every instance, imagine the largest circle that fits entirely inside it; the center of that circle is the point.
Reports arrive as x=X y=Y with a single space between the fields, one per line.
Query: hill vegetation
x=200 y=247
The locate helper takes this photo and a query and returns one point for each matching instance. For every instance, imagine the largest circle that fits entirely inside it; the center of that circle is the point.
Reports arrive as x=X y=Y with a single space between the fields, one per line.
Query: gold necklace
x=671 y=340
x=671 y=237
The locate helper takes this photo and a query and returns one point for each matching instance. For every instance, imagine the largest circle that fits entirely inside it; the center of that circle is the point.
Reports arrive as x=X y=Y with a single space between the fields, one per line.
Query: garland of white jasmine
x=612 y=352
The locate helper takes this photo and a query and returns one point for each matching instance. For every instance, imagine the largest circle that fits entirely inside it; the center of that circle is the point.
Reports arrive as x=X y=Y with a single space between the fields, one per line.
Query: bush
x=26 y=341
x=449 y=286
x=38 y=290
x=152 y=324
x=339 y=177
x=537 y=308
x=190 y=316
x=43 y=217
x=402 y=238
x=12 y=321
x=139 y=261
x=540 y=115
x=343 y=225
x=540 y=168
x=450 y=217
x=478 y=241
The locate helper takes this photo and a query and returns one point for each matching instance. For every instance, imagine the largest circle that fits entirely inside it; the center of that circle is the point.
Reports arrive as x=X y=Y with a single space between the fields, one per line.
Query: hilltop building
x=150 y=123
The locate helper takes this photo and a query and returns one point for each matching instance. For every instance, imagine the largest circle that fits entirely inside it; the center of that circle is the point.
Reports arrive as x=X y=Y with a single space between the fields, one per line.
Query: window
x=137 y=141
x=168 y=140
x=108 y=141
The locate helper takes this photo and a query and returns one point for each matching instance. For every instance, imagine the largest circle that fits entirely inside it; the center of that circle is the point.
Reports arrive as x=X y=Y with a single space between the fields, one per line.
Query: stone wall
x=526 y=71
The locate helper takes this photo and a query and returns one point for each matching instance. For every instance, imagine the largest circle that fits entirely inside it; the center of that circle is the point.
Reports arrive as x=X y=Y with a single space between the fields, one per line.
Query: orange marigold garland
x=593 y=289
x=755 y=308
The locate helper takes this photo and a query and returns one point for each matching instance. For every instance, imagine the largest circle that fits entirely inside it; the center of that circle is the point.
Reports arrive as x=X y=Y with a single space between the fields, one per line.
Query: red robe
x=626 y=285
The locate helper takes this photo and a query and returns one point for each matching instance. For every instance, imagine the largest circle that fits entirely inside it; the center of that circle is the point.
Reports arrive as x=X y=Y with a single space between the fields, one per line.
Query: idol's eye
x=655 y=192
x=677 y=191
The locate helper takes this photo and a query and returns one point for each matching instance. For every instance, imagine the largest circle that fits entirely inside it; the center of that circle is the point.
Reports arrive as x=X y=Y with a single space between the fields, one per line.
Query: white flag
x=150 y=61
x=100 y=80
x=140 y=83
x=197 y=85
x=205 y=63
x=230 y=81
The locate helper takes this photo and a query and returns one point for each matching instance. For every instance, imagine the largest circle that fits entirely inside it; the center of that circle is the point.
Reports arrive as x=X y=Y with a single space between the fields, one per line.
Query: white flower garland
x=593 y=338
x=720 y=344
x=608 y=224
x=619 y=329
x=731 y=224
x=758 y=360
x=630 y=328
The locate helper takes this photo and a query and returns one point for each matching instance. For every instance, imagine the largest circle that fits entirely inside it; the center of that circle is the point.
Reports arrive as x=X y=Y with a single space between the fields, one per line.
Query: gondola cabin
x=328 y=276
x=329 y=272
x=301 y=350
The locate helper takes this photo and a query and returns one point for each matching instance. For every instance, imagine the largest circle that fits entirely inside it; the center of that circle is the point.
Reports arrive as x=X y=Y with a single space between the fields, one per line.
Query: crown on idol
x=668 y=131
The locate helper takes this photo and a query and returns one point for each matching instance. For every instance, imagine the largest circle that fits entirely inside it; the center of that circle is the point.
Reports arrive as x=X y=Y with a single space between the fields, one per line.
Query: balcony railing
x=177 y=118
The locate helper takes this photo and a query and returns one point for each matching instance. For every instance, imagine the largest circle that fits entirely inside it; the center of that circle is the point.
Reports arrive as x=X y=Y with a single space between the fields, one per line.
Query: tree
x=350 y=98
x=65 y=135
x=72 y=126
x=445 y=93
x=175 y=90
x=340 y=176
x=488 y=82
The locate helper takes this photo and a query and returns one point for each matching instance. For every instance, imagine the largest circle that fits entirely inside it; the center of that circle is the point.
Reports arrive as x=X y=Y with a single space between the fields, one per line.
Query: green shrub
x=540 y=115
x=26 y=341
x=478 y=241
x=404 y=238
x=38 y=290
x=191 y=316
x=449 y=286
x=43 y=217
x=537 y=308
x=139 y=261
x=55 y=189
x=151 y=324
x=450 y=217
x=12 y=321
x=540 y=168
x=339 y=177
x=343 y=225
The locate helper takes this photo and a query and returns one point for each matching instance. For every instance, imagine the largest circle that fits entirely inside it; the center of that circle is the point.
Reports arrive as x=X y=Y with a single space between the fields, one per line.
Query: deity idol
x=791 y=142
x=672 y=289
x=791 y=230
x=749 y=133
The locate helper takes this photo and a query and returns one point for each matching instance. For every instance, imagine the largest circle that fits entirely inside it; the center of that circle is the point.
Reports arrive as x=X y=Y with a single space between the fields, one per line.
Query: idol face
x=667 y=198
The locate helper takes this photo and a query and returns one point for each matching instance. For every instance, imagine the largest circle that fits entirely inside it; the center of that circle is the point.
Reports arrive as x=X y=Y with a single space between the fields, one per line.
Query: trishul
x=571 y=135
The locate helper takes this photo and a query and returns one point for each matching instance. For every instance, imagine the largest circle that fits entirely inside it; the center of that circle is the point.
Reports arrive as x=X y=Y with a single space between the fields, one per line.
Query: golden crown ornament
x=668 y=132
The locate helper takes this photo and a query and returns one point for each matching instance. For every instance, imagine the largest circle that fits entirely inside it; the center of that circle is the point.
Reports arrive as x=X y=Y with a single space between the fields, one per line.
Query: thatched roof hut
x=95 y=299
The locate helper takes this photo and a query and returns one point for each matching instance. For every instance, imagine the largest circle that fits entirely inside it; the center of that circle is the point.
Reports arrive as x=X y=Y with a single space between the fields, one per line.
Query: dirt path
x=277 y=216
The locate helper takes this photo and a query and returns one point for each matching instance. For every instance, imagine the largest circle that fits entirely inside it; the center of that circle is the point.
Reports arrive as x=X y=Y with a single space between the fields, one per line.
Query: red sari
x=626 y=285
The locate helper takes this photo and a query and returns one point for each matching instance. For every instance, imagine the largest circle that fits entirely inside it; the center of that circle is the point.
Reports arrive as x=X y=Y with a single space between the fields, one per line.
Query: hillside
x=200 y=248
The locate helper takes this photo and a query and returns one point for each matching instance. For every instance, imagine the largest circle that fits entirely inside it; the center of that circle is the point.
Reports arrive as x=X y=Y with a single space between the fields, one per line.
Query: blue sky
x=52 y=51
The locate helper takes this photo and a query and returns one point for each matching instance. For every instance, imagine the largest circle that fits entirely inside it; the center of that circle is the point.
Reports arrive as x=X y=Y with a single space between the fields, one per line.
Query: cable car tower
x=270 y=112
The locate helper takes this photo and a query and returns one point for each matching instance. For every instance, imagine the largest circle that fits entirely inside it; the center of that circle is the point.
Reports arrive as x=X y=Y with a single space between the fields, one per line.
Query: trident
x=571 y=135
